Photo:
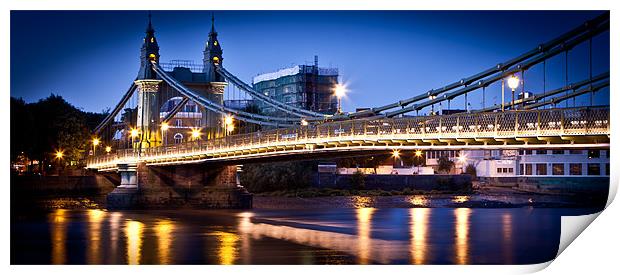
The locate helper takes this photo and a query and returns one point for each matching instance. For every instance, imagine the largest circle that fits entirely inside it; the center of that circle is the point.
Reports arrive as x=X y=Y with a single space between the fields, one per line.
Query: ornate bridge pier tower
x=184 y=185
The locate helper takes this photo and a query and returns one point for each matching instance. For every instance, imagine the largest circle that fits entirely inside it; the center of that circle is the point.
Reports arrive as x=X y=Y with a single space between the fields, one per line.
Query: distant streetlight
x=396 y=154
x=195 y=134
x=304 y=122
x=96 y=142
x=340 y=91
x=513 y=83
x=59 y=154
x=108 y=149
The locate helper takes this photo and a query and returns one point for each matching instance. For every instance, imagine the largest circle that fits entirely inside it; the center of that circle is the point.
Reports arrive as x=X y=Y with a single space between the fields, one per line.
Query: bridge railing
x=508 y=124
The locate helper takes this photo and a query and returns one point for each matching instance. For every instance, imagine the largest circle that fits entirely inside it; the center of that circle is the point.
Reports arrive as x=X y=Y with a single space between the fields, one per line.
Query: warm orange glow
x=59 y=154
x=228 y=247
x=163 y=231
x=108 y=149
x=396 y=153
x=304 y=122
x=364 y=226
x=462 y=235
x=134 y=132
x=96 y=141
x=418 y=153
x=59 y=236
x=165 y=126
x=134 y=233
x=95 y=217
x=419 y=234
x=196 y=133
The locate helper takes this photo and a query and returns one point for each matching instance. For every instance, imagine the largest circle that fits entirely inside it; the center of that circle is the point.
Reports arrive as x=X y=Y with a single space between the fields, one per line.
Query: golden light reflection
x=115 y=225
x=507 y=237
x=419 y=201
x=245 y=226
x=134 y=233
x=462 y=235
x=59 y=236
x=364 y=226
x=460 y=199
x=419 y=234
x=164 y=231
x=228 y=247
x=361 y=202
x=95 y=216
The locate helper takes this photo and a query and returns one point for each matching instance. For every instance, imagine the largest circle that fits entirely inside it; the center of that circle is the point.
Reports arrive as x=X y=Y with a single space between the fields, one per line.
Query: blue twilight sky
x=91 y=57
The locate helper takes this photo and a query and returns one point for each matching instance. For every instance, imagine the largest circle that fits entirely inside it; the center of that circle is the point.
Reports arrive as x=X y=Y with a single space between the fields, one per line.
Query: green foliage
x=358 y=180
x=267 y=177
x=444 y=164
x=471 y=169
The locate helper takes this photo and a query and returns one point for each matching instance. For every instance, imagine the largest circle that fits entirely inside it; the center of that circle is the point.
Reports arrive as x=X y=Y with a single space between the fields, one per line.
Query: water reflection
x=419 y=231
x=164 y=230
x=95 y=216
x=460 y=199
x=461 y=242
x=507 y=237
x=58 y=221
x=227 y=253
x=364 y=217
x=419 y=201
x=115 y=227
x=134 y=233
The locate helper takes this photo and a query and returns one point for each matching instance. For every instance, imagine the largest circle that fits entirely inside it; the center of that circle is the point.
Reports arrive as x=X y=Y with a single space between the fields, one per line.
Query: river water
x=522 y=235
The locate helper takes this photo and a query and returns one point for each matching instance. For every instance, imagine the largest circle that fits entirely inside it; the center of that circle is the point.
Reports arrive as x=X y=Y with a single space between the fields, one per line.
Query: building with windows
x=304 y=86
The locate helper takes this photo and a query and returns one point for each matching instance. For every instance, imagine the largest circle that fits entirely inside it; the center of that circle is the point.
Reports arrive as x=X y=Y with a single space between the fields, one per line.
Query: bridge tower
x=212 y=57
x=148 y=86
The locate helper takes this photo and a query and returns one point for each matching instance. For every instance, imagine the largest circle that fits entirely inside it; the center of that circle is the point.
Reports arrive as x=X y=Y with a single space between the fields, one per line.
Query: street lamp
x=463 y=159
x=95 y=143
x=229 y=125
x=340 y=91
x=164 y=128
x=59 y=154
x=513 y=83
x=195 y=134
x=418 y=155
x=304 y=122
x=108 y=149
x=134 y=133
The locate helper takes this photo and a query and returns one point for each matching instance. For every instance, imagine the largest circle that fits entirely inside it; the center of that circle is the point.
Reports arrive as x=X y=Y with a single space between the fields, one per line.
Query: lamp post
x=134 y=133
x=513 y=83
x=340 y=91
x=396 y=155
x=164 y=136
x=418 y=155
x=195 y=134
x=96 y=142
x=229 y=125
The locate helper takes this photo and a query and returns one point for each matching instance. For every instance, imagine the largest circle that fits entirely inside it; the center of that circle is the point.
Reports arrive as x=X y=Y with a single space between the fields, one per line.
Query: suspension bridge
x=136 y=139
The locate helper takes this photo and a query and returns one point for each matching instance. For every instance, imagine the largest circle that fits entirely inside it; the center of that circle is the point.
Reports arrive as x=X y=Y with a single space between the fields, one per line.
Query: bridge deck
x=550 y=128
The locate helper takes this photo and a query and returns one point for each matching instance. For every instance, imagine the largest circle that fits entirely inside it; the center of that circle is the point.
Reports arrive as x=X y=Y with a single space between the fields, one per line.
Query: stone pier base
x=189 y=185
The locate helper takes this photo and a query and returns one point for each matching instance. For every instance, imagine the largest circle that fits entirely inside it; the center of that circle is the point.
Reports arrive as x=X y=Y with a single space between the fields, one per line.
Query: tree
x=265 y=177
x=445 y=164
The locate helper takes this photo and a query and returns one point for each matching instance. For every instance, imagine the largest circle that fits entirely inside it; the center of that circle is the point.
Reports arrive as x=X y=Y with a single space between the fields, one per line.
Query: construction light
x=513 y=82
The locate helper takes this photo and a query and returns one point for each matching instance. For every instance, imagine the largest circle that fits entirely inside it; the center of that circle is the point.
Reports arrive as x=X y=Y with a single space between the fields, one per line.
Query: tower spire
x=150 y=26
x=212 y=22
x=149 y=52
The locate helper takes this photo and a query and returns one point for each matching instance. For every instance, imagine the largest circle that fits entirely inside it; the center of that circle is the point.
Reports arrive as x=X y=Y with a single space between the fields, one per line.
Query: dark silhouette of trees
x=39 y=129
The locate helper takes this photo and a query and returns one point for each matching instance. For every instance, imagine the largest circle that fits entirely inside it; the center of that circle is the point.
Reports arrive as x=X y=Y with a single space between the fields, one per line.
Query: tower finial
x=212 y=22
x=150 y=27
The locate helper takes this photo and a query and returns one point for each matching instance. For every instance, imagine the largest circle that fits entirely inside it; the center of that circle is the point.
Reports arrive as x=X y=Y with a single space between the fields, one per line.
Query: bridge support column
x=127 y=194
x=148 y=113
x=188 y=185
